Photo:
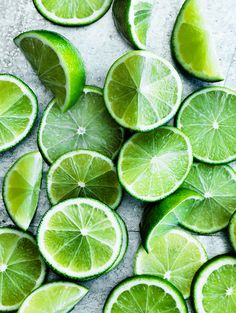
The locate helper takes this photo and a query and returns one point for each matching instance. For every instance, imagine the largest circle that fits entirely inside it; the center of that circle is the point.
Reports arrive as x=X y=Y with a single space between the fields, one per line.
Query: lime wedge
x=214 y=288
x=57 y=63
x=57 y=297
x=18 y=111
x=21 y=188
x=87 y=125
x=21 y=268
x=153 y=165
x=207 y=117
x=132 y=19
x=76 y=13
x=142 y=91
x=143 y=294
x=84 y=173
x=232 y=231
x=217 y=185
x=80 y=238
x=192 y=44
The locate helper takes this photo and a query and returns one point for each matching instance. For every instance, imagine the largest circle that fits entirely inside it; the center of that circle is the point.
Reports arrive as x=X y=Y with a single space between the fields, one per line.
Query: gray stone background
x=100 y=45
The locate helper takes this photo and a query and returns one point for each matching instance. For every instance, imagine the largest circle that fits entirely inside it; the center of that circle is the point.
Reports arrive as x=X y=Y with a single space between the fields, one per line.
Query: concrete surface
x=100 y=45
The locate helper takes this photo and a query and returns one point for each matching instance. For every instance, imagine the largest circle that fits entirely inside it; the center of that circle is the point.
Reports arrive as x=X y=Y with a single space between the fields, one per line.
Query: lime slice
x=21 y=188
x=153 y=165
x=80 y=238
x=142 y=91
x=145 y=294
x=166 y=214
x=214 y=288
x=21 y=268
x=57 y=297
x=217 y=184
x=207 y=117
x=232 y=231
x=192 y=44
x=18 y=111
x=57 y=63
x=132 y=19
x=84 y=173
x=87 y=125
x=175 y=256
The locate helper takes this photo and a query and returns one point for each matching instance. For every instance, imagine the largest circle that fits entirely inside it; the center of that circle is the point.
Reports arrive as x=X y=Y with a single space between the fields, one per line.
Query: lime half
x=57 y=63
x=18 y=111
x=214 y=288
x=142 y=91
x=232 y=231
x=21 y=188
x=58 y=297
x=153 y=165
x=192 y=44
x=80 y=238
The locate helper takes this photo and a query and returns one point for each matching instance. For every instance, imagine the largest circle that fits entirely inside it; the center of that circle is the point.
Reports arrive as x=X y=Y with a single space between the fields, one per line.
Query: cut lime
x=142 y=91
x=18 y=111
x=87 y=125
x=175 y=256
x=217 y=184
x=57 y=63
x=214 y=288
x=232 y=231
x=80 y=238
x=132 y=19
x=143 y=294
x=57 y=297
x=207 y=117
x=72 y=13
x=84 y=173
x=153 y=165
x=192 y=44
x=21 y=268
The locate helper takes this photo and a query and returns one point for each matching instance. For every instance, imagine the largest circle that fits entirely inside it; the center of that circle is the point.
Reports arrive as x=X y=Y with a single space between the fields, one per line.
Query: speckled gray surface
x=100 y=45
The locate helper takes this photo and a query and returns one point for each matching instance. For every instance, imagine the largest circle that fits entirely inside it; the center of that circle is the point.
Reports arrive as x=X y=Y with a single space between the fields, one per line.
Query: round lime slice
x=145 y=294
x=153 y=165
x=84 y=173
x=80 y=238
x=18 y=111
x=21 y=188
x=132 y=19
x=217 y=185
x=21 y=268
x=175 y=256
x=214 y=288
x=142 y=91
x=192 y=43
x=75 y=13
x=207 y=118
x=57 y=63
x=61 y=298
x=87 y=125
x=232 y=231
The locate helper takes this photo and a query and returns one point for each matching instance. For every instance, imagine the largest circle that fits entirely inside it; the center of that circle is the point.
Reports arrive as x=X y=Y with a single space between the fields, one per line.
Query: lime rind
x=232 y=231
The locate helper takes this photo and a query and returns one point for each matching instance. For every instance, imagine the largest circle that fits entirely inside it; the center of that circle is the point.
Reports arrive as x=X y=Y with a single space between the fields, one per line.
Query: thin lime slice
x=132 y=19
x=21 y=188
x=214 y=288
x=153 y=165
x=21 y=268
x=72 y=13
x=207 y=117
x=217 y=185
x=142 y=91
x=57 y=63
x=166 y=214
x=80 y=238
x=232 y=231
x=57 y=297
x=18 y=111
x=192 y=44
x=143 y=294
x=84 y=173
x=87 y=125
